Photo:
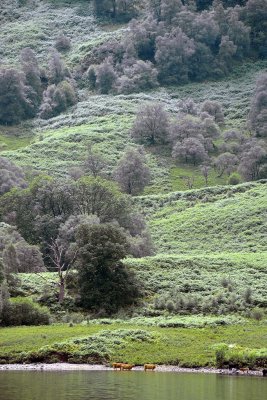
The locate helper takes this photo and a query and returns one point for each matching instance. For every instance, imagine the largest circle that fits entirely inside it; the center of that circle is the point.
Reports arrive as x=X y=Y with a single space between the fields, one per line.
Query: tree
x=63 y=249
x=10 y=259
x=173 y=52
x=140 y=76
x=17 y=255
x=142 y=37
x=29 y=257
x=104 y=282
x=63 y=43
x=63 y=263
x=233 y=135
x=186 y=127
x=253 y=157
x=201 y=63
x=227 y=50
x=151 y=125
x=169 y=8
x=255 y=16
x=32 y=74
x=225 y=162
x=97 y=196
x=190 y=149
x=118 y=9
x=258 y=109
x=214 y=108
x=91 y=77
x=105 y=77
x=39 y=211
x=10 y=176
x=94 y=163
x=57 y=71
x=132 y=173
x=205 y=170
x=15 y=102
x=189 y=181
x=154 y=8
x=56 y=99
x=4 y=294
x=239 y=33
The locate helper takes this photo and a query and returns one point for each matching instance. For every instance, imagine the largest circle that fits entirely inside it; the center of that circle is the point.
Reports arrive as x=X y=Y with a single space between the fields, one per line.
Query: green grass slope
x=134 y=344
x=212 y=220
x=56 y=145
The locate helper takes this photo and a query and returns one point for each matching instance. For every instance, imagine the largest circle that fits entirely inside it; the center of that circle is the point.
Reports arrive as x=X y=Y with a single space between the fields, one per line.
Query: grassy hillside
x=223 y=219
x=56 y=145
x=133 y=343
x=207 y=277
x=38 y=23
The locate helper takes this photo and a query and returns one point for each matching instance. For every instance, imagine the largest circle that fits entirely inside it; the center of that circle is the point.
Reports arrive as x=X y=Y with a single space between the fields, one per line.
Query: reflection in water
x=134 y=385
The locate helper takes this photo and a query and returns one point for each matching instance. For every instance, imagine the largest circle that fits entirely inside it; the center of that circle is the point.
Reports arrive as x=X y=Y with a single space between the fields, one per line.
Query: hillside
x=56 y=145
x=214 y=220
x=208 y=243
x=193 y=247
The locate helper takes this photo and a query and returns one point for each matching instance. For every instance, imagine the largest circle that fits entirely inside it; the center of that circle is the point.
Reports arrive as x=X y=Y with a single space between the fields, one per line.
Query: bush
x=234 y=179
x=257 y=314
x=221 y=355
x=56 y=98
x=22 y=311
x=62 y=43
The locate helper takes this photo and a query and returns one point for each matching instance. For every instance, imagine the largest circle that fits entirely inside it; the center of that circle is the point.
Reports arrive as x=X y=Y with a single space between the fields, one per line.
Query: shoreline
x=60 y=367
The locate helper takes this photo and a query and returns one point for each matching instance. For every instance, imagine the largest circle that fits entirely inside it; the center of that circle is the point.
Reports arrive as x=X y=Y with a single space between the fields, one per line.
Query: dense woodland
x=93 y=225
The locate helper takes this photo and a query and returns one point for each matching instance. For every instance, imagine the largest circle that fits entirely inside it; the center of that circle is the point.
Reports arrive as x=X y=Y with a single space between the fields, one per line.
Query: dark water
x=134 y=385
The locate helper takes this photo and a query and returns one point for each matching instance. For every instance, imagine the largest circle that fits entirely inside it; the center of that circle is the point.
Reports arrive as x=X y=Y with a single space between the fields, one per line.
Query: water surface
x=125 y=385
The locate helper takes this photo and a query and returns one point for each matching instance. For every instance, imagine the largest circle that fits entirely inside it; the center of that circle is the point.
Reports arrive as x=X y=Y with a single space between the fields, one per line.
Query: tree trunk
x=61 y=290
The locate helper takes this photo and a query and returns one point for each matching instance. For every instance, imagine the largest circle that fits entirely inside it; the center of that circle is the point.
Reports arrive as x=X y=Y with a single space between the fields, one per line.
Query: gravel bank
x=88 y=367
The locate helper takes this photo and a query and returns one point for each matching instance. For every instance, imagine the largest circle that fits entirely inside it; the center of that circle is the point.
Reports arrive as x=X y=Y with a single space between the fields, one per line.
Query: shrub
x=15 y=103
x=106 y=77
x=90 y=77
x=56 y=98
x=139 y=77
x=62 y=43
x=22 y=311
x=234 y=179
x=220 y=355
x=257 y=314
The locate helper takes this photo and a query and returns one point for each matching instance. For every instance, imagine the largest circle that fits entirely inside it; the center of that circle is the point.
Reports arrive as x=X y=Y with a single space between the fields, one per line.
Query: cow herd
x=128 y=367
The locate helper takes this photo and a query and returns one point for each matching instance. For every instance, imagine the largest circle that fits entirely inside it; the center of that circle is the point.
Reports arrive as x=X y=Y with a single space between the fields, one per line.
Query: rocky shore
x=88 y=367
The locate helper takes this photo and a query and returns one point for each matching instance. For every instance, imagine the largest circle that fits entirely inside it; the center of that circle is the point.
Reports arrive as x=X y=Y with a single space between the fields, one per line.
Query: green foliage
x=195 y=283
x=135 y=344
x=234 y=179
x=104 y=282
x=21 y=311
x=211 y=243
x=235 y=356
x=208 y=220
x=98 y=348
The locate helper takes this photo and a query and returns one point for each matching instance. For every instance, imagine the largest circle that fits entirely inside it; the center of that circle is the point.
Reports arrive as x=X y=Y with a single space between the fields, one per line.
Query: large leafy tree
x=151 y=125
x=15 y=102
x=105 y=284
x=173 y=53
x=10 y=176
x=132 y=173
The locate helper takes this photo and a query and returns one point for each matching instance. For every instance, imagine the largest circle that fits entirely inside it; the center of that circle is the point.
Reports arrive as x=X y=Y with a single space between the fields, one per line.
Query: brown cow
x=116 y=365
x=244 y=370
x=149 y=366
x=126 y=367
